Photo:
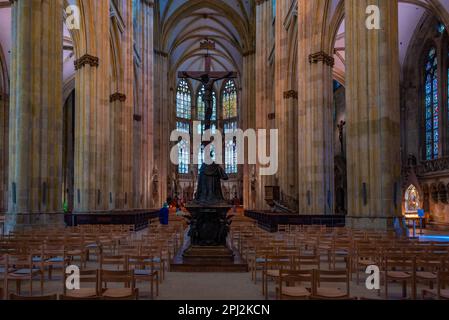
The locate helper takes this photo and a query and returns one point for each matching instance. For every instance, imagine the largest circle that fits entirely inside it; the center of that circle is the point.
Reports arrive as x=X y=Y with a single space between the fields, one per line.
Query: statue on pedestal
x=209 y=189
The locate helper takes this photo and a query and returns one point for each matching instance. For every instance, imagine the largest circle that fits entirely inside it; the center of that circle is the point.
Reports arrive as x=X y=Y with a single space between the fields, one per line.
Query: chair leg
x=42 y=283
x=50 y=269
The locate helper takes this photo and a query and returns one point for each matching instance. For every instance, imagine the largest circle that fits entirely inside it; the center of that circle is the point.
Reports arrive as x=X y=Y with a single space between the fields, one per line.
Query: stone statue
x=209 y=184
x=155 y=182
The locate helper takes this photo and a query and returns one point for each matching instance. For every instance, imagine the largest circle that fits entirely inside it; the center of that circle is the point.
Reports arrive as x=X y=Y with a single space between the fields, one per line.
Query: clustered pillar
x=92 y=111
x=35 y=117
x=373 y=115
x=315 y=121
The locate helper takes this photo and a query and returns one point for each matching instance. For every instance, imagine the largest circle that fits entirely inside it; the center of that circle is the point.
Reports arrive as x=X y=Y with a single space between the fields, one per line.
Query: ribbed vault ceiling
x=186 y=23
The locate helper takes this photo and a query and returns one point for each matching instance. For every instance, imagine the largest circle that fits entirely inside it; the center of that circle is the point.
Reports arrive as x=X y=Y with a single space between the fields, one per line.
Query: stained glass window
x=229 y=100
x=183 y=127
x=230 y=149
x=183 y=101
x=432 y=107
x=202 y=107
x=183 y=157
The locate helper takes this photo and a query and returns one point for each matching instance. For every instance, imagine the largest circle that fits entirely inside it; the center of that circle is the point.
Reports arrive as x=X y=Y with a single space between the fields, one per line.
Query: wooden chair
x=86 y=277
x=426 y=269
x=74 y=248
x=143 y=268
x=113 y=262
x=22 y=268
x=342 y=249
x=158 y=259
x=126 y=278
x=55 y=257
x=441 y=293
x=272 y=267
x=319 y=291
x=400 y=269
x=365 y=256
x=295 y=284
x=306 y=261
x=13 y=296
x=257 y=262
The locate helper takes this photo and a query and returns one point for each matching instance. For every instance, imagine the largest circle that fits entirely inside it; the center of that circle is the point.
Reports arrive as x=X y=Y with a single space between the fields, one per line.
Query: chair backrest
x=19 y=261
x=288 y=251
x=85 y=276
x=33 y=298
x=400 y=262
x=429 y=262
x=118 y=262
x=278 y=262
x=296 y=276
x=307 y=261
x=124 y=277
x=141 y=262
x=323 y=276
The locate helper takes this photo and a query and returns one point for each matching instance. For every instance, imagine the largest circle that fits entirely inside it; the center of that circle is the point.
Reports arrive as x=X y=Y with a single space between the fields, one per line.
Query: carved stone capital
x=322 y=57
x=161 y=53
x=291 y=94
x=117 y=97
x=248 y=53
x=86 y=59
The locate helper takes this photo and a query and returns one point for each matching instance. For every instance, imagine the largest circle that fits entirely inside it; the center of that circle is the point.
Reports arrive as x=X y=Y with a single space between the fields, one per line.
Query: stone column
x=286 y=103
x=35 y=133
x=247 y=121
x=264 y=86
x=92 y=112
x=315 y=124
x=162 y=121
x=144 y=110
x=373 y=115
x=122 y=103
x=4 y=126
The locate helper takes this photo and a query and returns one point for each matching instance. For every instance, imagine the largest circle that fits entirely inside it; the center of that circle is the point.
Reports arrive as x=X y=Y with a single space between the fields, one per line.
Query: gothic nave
x=319 y=128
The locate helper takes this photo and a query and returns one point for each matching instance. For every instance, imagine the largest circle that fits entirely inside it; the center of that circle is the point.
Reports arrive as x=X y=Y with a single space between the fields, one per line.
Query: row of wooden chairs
x=26 y=257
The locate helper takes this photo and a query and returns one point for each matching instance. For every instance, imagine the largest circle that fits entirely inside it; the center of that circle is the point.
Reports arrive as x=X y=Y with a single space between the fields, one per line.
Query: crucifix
x=209 y=181
x=208 y=79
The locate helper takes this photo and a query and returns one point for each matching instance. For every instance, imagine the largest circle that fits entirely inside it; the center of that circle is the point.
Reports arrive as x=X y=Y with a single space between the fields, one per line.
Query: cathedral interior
x=95 y=96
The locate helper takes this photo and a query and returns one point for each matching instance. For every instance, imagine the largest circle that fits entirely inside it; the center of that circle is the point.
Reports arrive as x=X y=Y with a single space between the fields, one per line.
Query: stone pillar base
x=21 y=221
x=370 y=223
